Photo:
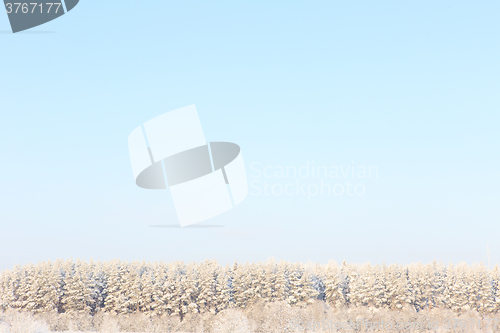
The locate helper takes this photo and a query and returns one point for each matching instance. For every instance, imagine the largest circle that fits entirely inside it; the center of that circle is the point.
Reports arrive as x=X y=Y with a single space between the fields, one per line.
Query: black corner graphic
x=70 y=4
x=26 y=15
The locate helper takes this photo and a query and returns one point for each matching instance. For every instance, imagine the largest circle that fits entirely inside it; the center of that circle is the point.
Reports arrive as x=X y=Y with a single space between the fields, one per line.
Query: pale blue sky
x=411 y=87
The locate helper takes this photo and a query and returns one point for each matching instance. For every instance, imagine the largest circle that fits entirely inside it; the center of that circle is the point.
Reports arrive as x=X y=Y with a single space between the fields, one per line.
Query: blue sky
x=410 y=87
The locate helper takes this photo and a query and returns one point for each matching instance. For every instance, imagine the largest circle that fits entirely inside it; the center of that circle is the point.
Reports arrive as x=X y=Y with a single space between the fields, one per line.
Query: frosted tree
x=358 y=286
x=282 y=286
x=483 y=297
x=15 y=288
x=4 y=290
x=76 y=296
x=158 y=291
x=294 y=284
x=439 y=284
x=460 y=290
x=172 y=289
x=97 y=286
x=417 y=292
x=33 y=301
x=114 y=298
x=333 y=293
x=303 y=290
x=223 y=285
x=168 y=291
x=268 y=281
x=408 y=289
x=190 y=285
x=31 y=289
x=253 y=283
x=362 y=285
x=130 y=288
x=344 y=280
x=428 y=286
x=207 y=297
x=238 y=286
x=147 y=290
x=9 y=287
x=176 y=290
x=317 y=278
x=445 y=298
x=258 y=282
x=50 y=286
x=380 y=288
x=415 y=280
x=495 y=285
x=396 y=287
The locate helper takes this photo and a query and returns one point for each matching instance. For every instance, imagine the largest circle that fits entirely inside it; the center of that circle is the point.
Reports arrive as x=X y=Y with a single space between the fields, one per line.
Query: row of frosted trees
x=178 y=288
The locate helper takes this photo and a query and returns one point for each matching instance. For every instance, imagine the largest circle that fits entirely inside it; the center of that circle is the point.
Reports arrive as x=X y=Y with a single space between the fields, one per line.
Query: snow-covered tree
x=179 y=289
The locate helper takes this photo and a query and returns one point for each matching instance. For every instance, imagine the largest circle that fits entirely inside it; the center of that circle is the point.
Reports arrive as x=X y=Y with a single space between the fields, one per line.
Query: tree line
x=178 y=288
